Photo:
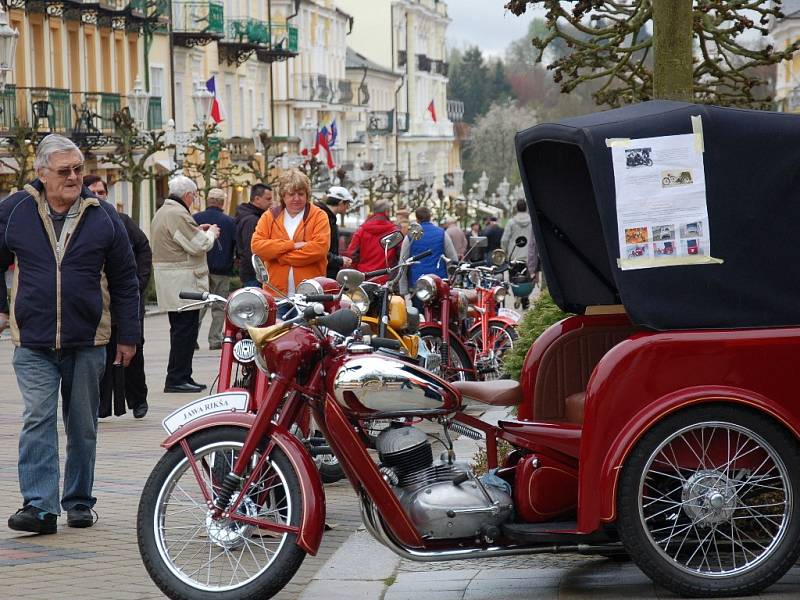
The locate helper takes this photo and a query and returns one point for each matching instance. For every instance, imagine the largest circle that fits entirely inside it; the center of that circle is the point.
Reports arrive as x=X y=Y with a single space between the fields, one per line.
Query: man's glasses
x=65 y=172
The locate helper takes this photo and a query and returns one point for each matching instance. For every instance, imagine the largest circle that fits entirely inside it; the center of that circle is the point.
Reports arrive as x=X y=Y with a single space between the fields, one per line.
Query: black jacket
x=334 y=260
x=142 y=254
x=247 y=216
x=220 y=257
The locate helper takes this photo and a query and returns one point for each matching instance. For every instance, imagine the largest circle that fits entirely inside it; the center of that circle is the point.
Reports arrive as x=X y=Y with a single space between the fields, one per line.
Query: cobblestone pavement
x=103 y=562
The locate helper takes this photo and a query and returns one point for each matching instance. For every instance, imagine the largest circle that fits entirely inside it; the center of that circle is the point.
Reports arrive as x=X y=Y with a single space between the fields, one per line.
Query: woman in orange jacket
x=292 y=239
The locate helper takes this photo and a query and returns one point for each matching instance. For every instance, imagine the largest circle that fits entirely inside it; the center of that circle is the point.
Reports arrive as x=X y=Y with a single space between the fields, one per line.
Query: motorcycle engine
x=444 y=500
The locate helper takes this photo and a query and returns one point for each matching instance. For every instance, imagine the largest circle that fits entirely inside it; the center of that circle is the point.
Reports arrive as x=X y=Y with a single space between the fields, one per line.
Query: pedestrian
x=456 y=235
x=220 y=261
x=518 y=226
x=494 y=235
x=179 y=263
x=131 y=382
x=247 y=216
x=293 y=238
x=74 y=268
x=433 y=239
x=365 y=248
x=337 y=201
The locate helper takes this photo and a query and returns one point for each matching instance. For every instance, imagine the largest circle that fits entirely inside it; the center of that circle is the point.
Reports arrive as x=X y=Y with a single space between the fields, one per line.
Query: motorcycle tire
x=460 y=366
x=267 y=562
x=497 y=330
x=704 y=487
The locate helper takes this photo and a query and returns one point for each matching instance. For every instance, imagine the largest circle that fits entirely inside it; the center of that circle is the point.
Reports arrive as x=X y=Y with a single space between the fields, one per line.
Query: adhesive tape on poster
x=648 y=263
x=697 y=129
x=618 y=142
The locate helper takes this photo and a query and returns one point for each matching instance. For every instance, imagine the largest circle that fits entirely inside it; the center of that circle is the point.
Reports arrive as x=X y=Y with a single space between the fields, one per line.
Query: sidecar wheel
x=708 y=502
x=191 y=556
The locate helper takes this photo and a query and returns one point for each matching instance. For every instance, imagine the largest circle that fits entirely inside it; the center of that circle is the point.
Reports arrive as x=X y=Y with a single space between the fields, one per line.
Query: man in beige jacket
x=179 y=263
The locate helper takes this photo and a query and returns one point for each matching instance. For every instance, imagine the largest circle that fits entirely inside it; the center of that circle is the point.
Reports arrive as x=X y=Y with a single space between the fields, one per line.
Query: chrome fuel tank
x=373 y=386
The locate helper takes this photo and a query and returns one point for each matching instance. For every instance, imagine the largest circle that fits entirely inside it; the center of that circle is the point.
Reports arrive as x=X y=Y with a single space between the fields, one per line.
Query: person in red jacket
x=365 y=249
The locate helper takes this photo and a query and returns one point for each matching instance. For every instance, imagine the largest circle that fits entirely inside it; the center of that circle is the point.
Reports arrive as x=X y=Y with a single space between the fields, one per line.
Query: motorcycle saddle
x=500 y=392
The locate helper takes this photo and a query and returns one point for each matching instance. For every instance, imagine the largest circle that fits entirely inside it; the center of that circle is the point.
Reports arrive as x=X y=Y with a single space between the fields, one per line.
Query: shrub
x=539 y=317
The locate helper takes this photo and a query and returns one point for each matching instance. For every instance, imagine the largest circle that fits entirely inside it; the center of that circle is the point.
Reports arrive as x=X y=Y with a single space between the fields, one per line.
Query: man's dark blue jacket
x=67 y=303
x=220 y=257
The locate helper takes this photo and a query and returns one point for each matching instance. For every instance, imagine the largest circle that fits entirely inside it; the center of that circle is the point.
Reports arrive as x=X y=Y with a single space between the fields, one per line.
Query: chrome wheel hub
x=709 y=498
x=227 y=533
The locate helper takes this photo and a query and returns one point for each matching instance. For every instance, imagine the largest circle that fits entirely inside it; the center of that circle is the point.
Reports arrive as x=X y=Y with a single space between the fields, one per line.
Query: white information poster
x=661 y=201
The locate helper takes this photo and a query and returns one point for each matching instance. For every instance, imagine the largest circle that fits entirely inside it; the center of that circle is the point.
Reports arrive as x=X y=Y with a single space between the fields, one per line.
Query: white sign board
x=202 y=407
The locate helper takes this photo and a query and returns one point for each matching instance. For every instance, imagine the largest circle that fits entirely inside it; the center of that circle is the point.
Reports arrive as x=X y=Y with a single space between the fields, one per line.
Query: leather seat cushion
x=501 y=392
x=573 y=408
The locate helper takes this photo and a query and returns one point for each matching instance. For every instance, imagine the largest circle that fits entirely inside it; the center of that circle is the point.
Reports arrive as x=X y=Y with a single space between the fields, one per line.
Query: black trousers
x=183 y=329
x=122 y=385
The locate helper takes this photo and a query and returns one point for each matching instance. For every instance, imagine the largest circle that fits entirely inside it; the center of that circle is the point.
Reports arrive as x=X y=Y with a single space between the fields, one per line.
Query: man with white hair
x=220 y=261
x=73 y=268
x=179 y=263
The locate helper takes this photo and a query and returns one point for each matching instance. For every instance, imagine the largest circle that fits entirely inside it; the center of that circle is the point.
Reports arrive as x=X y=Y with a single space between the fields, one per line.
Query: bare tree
x=696 y=51
x=21 y=148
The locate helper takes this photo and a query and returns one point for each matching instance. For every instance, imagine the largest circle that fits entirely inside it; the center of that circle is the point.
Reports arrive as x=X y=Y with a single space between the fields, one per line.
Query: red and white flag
x=432 y=110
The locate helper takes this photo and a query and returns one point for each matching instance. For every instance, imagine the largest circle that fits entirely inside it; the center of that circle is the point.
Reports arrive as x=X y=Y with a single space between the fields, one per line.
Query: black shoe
x=202 y=386
x=140 y=411
x=80 y=515
x=183 y=388
x=33 y=520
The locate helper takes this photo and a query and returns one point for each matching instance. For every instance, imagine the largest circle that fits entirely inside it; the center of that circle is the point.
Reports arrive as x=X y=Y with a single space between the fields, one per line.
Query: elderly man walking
x=73 y=268
x=179 y=263
x=220 y=261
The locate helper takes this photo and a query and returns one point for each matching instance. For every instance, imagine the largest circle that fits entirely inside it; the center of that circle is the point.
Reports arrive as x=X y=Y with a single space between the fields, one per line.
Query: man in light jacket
x=179 y=263
x=518 y=225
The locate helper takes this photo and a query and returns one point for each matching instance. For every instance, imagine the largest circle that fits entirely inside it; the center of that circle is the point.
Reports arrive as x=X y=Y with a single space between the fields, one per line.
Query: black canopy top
x=753 y=200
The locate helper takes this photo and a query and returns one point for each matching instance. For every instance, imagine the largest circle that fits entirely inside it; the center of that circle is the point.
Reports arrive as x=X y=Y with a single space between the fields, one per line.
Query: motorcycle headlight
x=360 y=299
x=247 y=308
x=426 y=289
x=309 y=287
x=500 y=294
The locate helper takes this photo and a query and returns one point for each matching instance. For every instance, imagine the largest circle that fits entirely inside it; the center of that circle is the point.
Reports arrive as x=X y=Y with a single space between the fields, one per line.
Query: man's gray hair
x=53 y=144
x=180 y=185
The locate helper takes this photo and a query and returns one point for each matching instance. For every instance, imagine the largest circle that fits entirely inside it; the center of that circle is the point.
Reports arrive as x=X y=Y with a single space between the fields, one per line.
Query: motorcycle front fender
x=312 y=524
x=499 y=320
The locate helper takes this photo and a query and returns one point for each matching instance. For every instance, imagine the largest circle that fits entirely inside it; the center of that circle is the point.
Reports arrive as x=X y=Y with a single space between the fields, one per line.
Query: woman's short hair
x=293 y=180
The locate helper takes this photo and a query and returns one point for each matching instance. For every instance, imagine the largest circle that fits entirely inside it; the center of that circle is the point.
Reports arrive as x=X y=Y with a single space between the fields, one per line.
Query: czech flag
x=217 y=110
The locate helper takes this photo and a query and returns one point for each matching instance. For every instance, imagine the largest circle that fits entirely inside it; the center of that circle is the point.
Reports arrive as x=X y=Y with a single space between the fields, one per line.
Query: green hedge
x=536 y=319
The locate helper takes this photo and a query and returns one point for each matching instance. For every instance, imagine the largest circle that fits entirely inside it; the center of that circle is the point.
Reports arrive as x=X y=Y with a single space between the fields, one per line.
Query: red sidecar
x=666 y=410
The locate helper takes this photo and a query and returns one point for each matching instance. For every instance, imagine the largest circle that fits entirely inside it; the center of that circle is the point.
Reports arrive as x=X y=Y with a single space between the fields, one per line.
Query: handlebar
x=320 y=297
x=378 y=273
x=378 y=342
x=189 y=295
x=421 y=255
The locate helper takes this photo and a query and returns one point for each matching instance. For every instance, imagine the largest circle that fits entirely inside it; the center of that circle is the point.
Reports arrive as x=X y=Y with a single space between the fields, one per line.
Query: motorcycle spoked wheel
x=709 y=502
x=459 y=365
x=189 y=555
x=501 y=340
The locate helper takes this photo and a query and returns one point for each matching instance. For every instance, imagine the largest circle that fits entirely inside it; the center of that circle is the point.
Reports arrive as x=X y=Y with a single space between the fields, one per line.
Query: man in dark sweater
x=247 y=216
x=336 y=203
x=220 y=261
x=133 y=388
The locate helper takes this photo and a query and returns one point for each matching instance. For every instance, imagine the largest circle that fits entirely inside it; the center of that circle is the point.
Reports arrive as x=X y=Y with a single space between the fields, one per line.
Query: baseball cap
x=340 y=194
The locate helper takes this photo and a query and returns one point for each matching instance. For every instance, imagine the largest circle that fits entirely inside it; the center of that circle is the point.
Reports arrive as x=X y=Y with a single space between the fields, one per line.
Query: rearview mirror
x=479 y=241
x=498 y=257
x=391 y=240
x=415 y=231
x=521 y=241
x=262 y=275
x=349 y=279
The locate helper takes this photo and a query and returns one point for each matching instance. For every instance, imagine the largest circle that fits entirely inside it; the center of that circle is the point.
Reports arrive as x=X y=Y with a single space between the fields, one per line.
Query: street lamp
x=260 y=135
x=308 y=133
x=138 y=101
x=458 y=180
x=483 y=184
x=202 y=100
x=503 y=188
x=8 y=48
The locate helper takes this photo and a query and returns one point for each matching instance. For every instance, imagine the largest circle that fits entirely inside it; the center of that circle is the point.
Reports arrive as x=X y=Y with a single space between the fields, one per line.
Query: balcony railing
x=8 y=104
x=281 y=44
x=196 y=23
x=455 y=110
x=155 y=117
x=440 y=67
x=315 y=87
x=380 y=122
x=423 y=63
